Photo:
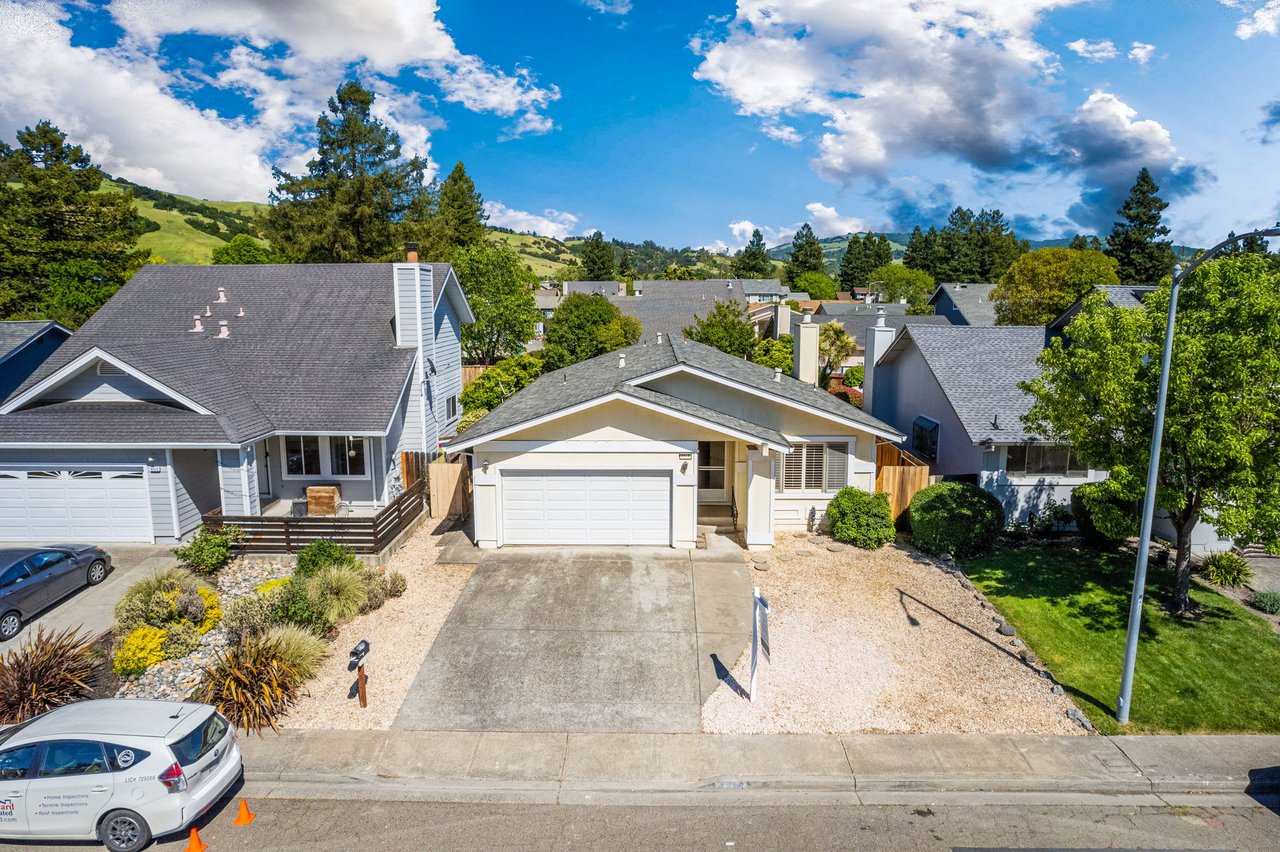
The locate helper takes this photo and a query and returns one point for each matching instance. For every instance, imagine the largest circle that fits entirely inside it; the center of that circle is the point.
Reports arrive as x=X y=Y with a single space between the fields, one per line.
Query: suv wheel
x=10 y=624
x=124 y=831
x=97 y=572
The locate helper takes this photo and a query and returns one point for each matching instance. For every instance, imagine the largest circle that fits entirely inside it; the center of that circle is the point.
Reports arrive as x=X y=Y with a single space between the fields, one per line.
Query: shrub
x=250 y=684
x=153 y=600
x=1268 y=602
x=189 y=605
x=272 y=587
x=1226 y=569
x=210 y=549
x=956 y=518
x=1103 y=517
x=861 y=518
x=396 y=584
x=293 y=605
x=140 y=650
x=181 y=639
x=376 y=586
x=46 y=671
x=470 y=418
x=338 y=593
x=303 y=650
x=321 y=554
x=248 y=617
x=212 y=609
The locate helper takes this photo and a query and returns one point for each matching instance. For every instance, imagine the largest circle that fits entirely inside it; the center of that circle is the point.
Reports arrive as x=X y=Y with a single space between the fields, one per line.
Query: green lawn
x=1219 y=673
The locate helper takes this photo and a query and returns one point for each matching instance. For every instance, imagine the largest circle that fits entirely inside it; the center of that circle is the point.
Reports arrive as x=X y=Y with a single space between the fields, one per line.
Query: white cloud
x=828 y=223
x=1141 y=52
x=936 y=77
x=1094 y=51
x=1261 y=18
x=551 y=223
x=782 y=132
x=610 y=7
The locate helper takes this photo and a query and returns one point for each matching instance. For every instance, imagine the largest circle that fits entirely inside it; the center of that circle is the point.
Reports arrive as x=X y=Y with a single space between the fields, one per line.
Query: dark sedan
x=34 y=578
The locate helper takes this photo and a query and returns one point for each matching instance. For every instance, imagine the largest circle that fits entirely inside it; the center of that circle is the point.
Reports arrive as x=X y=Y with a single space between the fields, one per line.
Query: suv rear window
x=201 y=741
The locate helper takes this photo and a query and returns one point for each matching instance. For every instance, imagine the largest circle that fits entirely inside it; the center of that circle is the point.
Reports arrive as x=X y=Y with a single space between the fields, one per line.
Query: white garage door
x=627 y=507
x=87 y=505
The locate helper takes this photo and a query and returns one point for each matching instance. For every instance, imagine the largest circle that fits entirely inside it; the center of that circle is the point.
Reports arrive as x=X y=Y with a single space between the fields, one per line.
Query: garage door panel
x=76 y=505
x=547 y=507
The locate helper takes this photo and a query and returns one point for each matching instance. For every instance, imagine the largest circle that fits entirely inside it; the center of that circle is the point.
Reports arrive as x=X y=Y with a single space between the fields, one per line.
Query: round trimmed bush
x=397 y=584
x=956 y=518
x=861 y=518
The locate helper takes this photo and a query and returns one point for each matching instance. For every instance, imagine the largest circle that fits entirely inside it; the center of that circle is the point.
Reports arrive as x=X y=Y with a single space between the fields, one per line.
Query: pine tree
x=851 y=265
x=597 y=259
x=357 y=189
x=626 y=266
x=806 y=255
x=1135 y=242
x=753 y=261
x=460 y=213
x=877 y=254
x=919 y=251
x=65 y=246
x=995 y=246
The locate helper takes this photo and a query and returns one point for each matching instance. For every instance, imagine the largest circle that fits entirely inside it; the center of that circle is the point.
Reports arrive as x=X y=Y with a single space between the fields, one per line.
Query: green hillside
x=185 y=229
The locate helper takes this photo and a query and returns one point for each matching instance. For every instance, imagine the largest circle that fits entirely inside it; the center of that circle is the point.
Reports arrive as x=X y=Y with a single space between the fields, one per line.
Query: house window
x=1043 y=460
x=302 y=455
x=346 y=456
x=813 y=468
x=924 y=438
x=451 y=407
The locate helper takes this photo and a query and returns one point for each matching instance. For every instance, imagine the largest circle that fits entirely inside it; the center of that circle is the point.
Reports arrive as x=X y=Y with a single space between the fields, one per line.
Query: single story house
x=24 y=346
x=965 y=304
x=643 y=445
x=231 y=389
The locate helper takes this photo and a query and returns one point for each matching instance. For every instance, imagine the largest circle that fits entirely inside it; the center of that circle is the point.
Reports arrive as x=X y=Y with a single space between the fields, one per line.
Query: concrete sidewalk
x=653 y=768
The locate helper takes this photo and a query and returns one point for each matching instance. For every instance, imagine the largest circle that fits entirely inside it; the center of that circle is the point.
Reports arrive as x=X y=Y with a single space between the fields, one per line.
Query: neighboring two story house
x=24 y=346
x=965 y=304
x=232 y=388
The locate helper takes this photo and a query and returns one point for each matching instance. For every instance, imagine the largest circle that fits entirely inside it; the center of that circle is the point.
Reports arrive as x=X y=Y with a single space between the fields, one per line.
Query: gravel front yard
x=400 y=634
x=881 y=642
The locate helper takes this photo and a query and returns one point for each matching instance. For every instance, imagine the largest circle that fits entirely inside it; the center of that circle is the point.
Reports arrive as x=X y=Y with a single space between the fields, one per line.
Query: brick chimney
x=410 y=252
x=805 y=351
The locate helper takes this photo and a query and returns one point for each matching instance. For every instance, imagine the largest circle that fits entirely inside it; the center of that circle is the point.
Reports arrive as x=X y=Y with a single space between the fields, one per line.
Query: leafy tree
x=65 y=247
x=835 y=346
x=753 y=261
x=1221 y=453
x=499 y=382
x=499 y=288
x=347 y=207
x=817 y=284
x=682 y=272
x=459 y=217
x=585 y=326
x=894 y=282
x=726 y=328
x=852 y=273
x=1135 y=243
x=806 y=256
x=597 y=259
x=920 y=309
x=243 y=248
x=1043 y=283
x=778 y=354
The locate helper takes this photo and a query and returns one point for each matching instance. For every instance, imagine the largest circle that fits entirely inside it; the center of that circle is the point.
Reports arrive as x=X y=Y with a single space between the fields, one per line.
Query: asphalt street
x=297 y=824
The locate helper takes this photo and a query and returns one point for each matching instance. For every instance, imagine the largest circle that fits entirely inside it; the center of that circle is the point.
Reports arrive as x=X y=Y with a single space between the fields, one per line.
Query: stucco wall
x=906 y=389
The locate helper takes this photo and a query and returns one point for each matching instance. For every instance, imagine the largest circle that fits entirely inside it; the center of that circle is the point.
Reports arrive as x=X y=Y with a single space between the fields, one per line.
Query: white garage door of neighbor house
x=85 y=505
x=627 y=507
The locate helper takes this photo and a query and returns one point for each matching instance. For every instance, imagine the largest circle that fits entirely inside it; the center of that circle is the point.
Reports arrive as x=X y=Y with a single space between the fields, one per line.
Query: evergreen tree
x=877 y=254
x=347 y=207
x=806 y=255
x=924 y=250
x=1136 y=242
x=851 y=266
x=626 y=266
x=995 y=247
x=753 y=261
x=460 y=215
x=597 y=259
x=65 y=246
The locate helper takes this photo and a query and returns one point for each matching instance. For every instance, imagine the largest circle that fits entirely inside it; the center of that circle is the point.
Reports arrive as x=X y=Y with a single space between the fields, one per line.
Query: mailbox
x=359 y=652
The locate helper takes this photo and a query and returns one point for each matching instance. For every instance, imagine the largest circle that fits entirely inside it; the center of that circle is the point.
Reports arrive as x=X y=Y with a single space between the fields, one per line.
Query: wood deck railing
x=363 y=535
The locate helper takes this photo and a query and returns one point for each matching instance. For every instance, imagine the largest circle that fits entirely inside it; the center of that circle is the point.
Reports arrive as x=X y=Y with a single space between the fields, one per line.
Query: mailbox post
x=358 y=653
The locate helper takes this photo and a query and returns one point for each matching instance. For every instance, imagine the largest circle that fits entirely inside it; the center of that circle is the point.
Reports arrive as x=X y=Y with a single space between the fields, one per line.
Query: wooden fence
x=411 y=465
x=900 y=475
x=471 y=372
x=450 y=485
x=363 y=535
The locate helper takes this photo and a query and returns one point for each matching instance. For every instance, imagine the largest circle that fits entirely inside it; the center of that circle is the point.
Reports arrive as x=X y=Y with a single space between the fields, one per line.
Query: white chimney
x=781 y=319
x=199 y=326
x=223 y=331
x=879 y=338
x=222 y=295
x=804 y=351
x=638 y=288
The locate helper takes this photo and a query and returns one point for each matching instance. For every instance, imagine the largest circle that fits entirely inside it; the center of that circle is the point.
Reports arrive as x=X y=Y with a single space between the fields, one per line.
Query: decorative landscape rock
x=816 y=540
x=761 y=566
x=1006 y=629
x=1057 y=689
x=836 y=547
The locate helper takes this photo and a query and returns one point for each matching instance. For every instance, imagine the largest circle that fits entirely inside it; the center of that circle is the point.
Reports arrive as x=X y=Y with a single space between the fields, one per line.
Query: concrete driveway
x=584 y=640
x=92 y=607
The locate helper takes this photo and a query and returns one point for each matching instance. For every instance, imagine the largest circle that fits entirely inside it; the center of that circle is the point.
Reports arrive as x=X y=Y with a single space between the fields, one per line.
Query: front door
x=263 y=453
x=711 y=472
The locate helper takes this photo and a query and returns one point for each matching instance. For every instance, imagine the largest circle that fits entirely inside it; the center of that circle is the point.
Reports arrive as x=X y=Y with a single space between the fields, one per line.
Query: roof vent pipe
x=208 y=311
x=223 y=331
x=240 y=312
x=880 y=316
x=659 y=337
x=222 y=295
x=777 y=374
x=199 y=326
x=622 y=360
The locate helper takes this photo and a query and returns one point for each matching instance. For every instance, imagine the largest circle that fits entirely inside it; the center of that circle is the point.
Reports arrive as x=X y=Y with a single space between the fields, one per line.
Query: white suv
x=116 y=769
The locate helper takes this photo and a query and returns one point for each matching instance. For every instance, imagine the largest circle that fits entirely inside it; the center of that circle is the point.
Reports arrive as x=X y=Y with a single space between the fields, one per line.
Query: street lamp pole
x=1180 y=273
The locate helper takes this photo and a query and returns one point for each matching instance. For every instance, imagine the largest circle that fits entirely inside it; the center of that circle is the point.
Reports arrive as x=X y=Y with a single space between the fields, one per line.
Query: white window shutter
x=837 y=466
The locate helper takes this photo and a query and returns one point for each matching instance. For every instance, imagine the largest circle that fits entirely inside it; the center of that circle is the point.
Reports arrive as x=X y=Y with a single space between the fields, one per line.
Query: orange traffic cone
x=196 y=844
x=245 y=816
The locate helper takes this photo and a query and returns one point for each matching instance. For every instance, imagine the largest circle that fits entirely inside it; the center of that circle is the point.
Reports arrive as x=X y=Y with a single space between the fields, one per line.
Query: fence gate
x=900 y=475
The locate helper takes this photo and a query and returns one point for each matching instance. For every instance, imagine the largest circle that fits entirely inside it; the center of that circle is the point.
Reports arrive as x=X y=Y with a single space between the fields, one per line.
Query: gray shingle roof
x=856 y=323
x=590 y=288
x=589 y=380
x=693 y=409
x=111 y=423
x=1117 y=295
x=669 y=307
x=979 y=368
x=973 y=301
x=764 y=287
x=315 y=350
x=14 y=333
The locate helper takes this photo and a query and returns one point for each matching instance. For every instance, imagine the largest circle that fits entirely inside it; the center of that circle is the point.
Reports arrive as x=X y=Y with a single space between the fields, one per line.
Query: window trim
x=1021 y=476
x=937 y=437
x=326 y=472
x=850 y=445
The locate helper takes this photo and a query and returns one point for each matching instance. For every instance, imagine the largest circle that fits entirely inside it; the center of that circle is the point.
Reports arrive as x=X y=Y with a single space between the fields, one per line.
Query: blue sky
x=691 y=122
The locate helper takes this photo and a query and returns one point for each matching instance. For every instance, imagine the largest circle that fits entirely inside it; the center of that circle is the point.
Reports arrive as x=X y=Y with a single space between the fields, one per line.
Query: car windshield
x=13 y=730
